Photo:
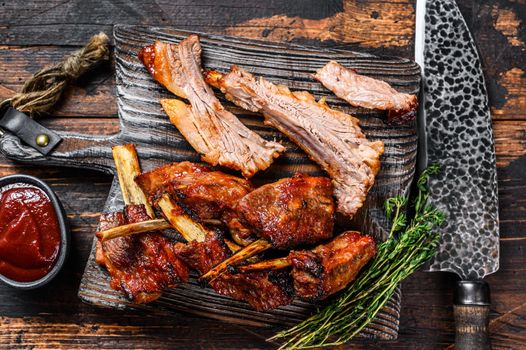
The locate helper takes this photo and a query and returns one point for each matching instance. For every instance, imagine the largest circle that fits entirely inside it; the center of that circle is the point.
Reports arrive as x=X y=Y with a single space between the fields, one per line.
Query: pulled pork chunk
x=212 y=131
x=362 y=91
x=331 y=138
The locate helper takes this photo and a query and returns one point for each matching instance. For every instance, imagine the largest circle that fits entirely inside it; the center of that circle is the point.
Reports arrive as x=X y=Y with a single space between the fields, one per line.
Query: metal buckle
x=28 y=130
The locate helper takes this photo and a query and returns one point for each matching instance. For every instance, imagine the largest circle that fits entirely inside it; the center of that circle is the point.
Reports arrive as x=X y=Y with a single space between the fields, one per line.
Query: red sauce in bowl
x=29 y=233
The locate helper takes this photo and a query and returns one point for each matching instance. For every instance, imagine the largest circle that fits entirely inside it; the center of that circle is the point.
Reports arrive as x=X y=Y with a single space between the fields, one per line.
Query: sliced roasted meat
x=211 y=195
x=263 y=290
x=328 y=268
x=290 y=212
x=212 y=131
x=331 y=138
x=363 y=91
x=141 y=265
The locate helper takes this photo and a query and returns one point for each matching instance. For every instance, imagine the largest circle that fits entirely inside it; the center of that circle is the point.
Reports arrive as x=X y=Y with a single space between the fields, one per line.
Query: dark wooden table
x=36 y=33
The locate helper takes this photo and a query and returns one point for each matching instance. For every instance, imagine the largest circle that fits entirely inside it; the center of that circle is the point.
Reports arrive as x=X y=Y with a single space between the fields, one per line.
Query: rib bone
x=127 y=166
x=250 y=250
x=134 y=228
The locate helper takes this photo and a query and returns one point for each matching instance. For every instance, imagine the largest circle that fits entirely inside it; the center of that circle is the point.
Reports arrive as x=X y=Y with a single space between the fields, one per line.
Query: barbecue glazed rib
x=284 y=214
x=202 y=256
x=212 y=131
x=290 y=212
x=210 y=195
x=141 y=265
x=330 y=267
x=362 y=91
x=263 y=290
x=209 y=249
x=331 y=138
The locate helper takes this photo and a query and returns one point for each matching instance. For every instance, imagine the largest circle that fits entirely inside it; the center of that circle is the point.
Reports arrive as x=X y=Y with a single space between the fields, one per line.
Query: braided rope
x=44 y=89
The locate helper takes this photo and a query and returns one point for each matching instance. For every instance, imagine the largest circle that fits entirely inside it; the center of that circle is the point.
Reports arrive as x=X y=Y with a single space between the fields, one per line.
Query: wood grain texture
x=146 y=125
x=53 y=317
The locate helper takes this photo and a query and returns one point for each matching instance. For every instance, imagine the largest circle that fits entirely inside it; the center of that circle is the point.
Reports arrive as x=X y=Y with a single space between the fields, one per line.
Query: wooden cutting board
x=158 y=142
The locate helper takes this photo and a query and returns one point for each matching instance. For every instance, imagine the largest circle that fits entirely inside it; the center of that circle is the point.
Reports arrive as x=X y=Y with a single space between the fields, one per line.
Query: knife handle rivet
x=42 y=140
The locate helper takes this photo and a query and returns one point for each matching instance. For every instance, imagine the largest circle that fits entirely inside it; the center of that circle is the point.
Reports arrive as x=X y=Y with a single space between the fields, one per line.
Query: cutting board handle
x=471 y=309
x=75 y=150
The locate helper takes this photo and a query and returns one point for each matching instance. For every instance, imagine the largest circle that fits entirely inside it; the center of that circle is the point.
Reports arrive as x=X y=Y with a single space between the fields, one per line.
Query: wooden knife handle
x=471 y=309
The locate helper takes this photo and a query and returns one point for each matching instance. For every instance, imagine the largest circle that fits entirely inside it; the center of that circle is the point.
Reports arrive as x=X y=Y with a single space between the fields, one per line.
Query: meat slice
x=211 y=195
x=363 y=91
x=330 y=267
x=141 y=265
x=290 y=212
x=212 y=131
x=263 y=290
x=331 y=138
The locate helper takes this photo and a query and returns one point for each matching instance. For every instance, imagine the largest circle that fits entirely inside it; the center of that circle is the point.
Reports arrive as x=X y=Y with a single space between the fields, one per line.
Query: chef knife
x=455 y=131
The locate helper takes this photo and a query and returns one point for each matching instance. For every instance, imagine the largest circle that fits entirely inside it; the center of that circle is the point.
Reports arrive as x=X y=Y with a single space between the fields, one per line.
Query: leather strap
x=28 y=130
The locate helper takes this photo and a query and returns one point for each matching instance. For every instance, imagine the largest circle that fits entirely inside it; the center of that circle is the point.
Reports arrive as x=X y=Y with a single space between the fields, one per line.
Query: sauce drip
x=29 y=234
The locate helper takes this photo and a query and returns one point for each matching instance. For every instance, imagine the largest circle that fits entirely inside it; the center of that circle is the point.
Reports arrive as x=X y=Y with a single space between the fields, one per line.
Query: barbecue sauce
x=29 y=233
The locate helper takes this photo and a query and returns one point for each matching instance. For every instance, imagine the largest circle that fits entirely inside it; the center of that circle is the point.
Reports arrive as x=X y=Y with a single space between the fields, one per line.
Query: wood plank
x=305 y=23
x=371 y=24
x=510 y=140
x=513 y=105
x=433 y=331
x=33 y=23
x=418 y=332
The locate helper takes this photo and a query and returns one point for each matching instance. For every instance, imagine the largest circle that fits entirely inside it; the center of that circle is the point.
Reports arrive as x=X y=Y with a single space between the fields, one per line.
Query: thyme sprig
x=409 y=245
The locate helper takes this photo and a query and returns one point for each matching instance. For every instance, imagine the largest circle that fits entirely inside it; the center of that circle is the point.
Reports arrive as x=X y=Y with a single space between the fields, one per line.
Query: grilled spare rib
x=141 y=265
x=263 y=290
x=363 y=91
x=331 y=138
x=328 y=268
x=211 y=195
x=290 y=212
x=202 y=256
x=212 y=131
x=207 y=248
x=284 y=214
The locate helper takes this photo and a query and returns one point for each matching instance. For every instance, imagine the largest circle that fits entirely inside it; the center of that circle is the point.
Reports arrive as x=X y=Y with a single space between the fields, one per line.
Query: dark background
x=34 y=34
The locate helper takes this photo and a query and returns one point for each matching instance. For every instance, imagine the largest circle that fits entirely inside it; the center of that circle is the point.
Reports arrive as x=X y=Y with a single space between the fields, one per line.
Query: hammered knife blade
x=455 y=131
